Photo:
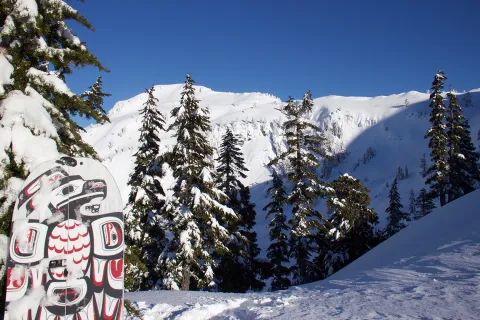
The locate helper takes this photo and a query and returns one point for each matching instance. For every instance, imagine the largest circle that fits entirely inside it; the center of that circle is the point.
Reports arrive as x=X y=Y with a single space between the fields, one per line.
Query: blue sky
x=361 y=48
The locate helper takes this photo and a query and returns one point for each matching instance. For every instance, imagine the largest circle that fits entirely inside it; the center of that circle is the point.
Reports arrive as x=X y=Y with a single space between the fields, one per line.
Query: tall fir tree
x=240 y=270
x=197 y=219
x=424 y=204
x=462 y=156
x=144 y=211
x=305 y=145
x=278 y=251
x=412 y=208
x=41 y=50
x=438 y=172
x=351 y=224
x=397 y=218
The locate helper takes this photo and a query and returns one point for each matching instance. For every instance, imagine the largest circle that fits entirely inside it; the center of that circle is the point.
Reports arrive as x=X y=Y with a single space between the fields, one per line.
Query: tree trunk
x=185 y=284
x=442 y=196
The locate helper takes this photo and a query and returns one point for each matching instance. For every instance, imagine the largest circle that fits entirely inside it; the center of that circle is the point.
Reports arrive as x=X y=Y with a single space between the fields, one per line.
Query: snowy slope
x=354 y=124
x=429 y=270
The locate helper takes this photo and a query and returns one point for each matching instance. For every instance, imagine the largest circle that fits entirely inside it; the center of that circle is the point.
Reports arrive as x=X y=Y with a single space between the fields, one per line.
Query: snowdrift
x=429 y=270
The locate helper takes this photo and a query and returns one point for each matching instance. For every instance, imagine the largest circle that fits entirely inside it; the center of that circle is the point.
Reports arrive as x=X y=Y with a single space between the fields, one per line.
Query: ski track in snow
x=429 y=270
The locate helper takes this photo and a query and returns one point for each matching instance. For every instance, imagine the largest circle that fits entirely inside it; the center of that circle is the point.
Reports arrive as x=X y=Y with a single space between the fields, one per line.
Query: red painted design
x=27 y=189
x=83 y=258
x=55 y=177
x=68 y=227
x=98 y=270
x=64 y=250
x=109 y=315
x=17 y=283
x=83 y=235
x=116 y=267
x=97 y=185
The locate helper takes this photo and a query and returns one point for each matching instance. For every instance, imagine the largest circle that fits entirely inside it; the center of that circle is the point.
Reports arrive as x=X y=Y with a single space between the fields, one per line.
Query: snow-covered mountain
x=429 y=270
x=392 y=129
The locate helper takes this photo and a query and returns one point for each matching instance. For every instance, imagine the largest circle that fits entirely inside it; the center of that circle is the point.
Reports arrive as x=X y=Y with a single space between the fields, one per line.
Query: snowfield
x=429 y=270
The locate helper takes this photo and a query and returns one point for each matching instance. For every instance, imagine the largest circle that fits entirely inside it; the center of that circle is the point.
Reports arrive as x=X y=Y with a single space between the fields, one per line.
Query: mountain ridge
x=372 y=136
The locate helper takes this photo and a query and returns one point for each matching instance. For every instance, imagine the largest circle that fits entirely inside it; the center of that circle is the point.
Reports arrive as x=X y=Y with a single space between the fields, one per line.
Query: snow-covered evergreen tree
x=305 y=146
x=198 y=221
x=462 y=156
x=240 y=270
x=36 y=105
x=351 y=225
x=438 y=172
x=397 y=218
x=143 y=229
x=406 y=172
x=412 y=208
x=278 y=251
x=424 y=204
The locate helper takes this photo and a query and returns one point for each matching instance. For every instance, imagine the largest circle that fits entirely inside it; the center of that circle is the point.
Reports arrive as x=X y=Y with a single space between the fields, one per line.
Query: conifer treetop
x=231 y=162
x=94 y=97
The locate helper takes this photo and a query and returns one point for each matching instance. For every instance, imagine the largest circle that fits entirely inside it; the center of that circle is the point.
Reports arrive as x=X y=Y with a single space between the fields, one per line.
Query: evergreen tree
x=424 y=204
x=406 y=172
x=305 y=145
x=196 y=217
x=351 y=225
x=467 y=100
x=462 y=156
x=94 y=98
x=412 y=208
x=397 y=218
x=239 y=271
x=144 y=233
x=400 y=174
x=438 y=172
x=423 y=166
x=278 y=251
